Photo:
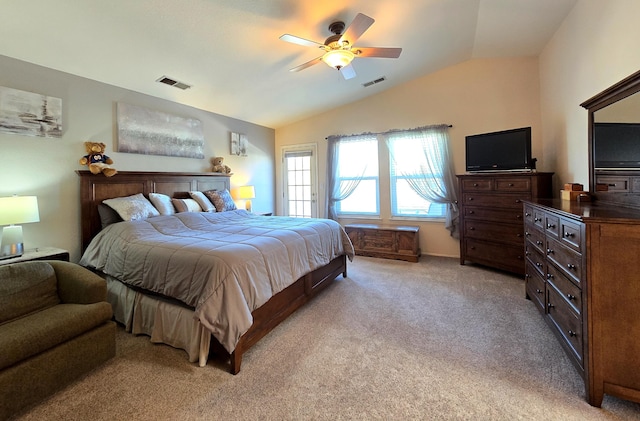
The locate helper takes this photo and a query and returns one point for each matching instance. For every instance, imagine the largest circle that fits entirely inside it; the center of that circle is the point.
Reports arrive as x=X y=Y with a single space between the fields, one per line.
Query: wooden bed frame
x=94 y=188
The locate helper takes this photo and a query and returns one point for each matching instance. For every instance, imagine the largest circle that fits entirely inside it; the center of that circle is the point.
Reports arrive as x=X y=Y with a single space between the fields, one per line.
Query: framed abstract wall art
x=30 y=114
x=150 y=132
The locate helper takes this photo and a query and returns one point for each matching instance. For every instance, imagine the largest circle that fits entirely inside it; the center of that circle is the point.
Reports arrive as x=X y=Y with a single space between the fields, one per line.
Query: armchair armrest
x=77 y=284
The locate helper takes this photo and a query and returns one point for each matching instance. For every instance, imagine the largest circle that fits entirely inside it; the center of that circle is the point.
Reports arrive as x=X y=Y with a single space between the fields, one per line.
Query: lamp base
x=11 y=245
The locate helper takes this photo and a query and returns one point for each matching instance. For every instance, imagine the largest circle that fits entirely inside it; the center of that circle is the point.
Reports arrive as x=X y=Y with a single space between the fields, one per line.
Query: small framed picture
x=239 y=144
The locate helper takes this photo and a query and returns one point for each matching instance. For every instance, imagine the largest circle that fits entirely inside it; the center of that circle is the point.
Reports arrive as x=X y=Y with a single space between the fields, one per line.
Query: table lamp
x=16 y=210
x=247 y=193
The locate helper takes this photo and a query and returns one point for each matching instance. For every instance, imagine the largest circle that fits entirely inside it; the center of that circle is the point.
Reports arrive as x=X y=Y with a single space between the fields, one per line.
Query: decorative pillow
x=186 y=205
x=202 y=200
x=221 y=199
x=108 y=216
x=162 y=202
x=131 y=208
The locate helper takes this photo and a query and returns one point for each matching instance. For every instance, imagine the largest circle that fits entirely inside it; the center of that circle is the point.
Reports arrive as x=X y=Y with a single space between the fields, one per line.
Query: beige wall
x=475 y=96
x=596 y=46
x=45 y=167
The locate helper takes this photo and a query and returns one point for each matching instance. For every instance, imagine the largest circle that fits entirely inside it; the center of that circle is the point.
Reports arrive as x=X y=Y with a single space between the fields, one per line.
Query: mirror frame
x=626 y=87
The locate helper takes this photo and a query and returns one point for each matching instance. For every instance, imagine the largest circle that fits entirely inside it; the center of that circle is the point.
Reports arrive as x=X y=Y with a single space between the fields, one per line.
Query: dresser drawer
x=552 y=224
x=571 y=234
x=614 y=184
x=569 y=261
x=503 y=256
x=493 y=215
x=567 y=289
x=535 y=285
x=538 y=218
x=536 y=258
x=535 y=237
x=513 y=184
x=566 y=321
x=494 y=200
x=477 y=184
x=487 y=231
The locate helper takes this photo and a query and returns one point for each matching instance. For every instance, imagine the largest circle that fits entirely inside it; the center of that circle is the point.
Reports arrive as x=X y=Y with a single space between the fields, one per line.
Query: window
x=411 y=175
x=357 y=176
x=421 y=182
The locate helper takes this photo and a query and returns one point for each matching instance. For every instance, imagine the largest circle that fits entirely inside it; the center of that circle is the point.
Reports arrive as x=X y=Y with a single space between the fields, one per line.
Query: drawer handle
x=571 y=333
x=475 y=184
x=527 y=276
x=518 y=216
x=539 y=242
x=551 y=226
x=527 y=253
x=550 y=306
x=519 y=235
x=549 y=251
x=612 y=184
x=472 y=247
x=471 y=198
x=518 y=200
x=539 y=291
x=471 y=212
x=472 y=229
x=539 y=264
x=527 y=214
x=510 y=184
x=549 y=276
x=527 y=234
x=569 y=234
x=571 y=297
x=537 y=219
x=571 y=266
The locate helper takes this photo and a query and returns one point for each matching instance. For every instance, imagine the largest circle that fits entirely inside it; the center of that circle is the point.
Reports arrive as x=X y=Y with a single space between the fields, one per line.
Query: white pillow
x=202 y=200
x=186 y=205
x=131 y=208
x=162 y=202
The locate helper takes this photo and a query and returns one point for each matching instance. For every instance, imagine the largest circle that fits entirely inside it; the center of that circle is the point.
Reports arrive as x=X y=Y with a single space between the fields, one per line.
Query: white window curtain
x=337 y=191
x=435 y=159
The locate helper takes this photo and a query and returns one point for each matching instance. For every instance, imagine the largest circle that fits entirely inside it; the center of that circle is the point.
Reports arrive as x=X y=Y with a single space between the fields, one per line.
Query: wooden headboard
x=94 y=188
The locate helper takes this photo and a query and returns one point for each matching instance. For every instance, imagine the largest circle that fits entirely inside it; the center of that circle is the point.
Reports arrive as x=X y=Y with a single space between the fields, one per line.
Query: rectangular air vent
x=373 y=82
x=172 y=82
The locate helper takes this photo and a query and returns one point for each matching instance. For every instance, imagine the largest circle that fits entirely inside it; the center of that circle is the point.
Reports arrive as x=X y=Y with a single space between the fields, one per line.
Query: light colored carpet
x=393 y=341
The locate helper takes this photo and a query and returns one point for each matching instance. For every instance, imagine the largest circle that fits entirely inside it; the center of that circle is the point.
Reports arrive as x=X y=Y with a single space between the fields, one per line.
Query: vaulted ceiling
x=229 y=51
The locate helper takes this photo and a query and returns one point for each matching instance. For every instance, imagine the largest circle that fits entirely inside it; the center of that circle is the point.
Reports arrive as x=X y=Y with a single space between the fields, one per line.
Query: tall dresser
x=491 y=221
x=582 y=273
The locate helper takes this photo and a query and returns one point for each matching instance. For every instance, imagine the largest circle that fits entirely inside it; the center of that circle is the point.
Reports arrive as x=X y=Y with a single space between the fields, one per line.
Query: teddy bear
x=218 y=165
x=96 y=160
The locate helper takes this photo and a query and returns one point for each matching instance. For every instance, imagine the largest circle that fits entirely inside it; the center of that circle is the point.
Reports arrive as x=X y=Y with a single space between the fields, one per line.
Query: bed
x=188 y=312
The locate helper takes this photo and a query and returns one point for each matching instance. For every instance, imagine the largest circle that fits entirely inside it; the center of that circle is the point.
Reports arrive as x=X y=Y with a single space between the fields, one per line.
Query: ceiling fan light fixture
x=338 y=58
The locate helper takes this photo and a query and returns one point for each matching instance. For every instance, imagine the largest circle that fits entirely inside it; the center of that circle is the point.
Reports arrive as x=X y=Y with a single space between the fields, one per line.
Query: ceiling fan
x=339 y=49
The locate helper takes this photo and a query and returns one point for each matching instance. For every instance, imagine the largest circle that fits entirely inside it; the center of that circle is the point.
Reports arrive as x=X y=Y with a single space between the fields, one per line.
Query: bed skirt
x=164 y=321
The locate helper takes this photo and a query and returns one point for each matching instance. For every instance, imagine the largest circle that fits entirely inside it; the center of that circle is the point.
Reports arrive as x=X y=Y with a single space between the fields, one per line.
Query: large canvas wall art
x=30 y=114
x=150 y=132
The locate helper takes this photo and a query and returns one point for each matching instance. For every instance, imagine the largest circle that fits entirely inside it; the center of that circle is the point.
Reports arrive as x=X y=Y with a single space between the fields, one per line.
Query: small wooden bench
x=400 y=242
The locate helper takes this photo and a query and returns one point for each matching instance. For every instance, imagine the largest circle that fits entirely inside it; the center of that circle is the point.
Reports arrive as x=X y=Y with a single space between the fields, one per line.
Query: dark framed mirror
x=614 y=143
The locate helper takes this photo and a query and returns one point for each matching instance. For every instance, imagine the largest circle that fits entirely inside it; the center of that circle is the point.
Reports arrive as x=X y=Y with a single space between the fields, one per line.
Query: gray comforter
x=225 y=265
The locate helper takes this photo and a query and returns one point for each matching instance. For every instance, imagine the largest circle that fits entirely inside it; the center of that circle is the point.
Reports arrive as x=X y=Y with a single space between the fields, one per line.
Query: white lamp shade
x=18 y=210
x=246 y=192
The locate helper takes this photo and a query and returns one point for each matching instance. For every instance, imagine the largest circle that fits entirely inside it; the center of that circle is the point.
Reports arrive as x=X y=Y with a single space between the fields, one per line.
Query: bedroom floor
x=394 y=340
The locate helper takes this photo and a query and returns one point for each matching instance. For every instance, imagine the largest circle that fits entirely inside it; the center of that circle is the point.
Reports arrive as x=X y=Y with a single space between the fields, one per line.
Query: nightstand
x=40 y=253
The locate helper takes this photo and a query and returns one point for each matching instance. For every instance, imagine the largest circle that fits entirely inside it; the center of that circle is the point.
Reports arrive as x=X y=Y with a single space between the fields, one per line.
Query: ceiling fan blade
x=348 y=72
x=377 y=52
x=358 y=27
x=307 y=64
x=300 y=41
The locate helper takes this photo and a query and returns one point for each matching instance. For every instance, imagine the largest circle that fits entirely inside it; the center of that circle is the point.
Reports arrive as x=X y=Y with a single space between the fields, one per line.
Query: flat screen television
x=616 y=146
x=507 y=150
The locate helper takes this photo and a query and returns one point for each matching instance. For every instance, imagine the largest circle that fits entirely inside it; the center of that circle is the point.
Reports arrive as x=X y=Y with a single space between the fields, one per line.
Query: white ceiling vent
x=172 y=82
x=373 y=82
